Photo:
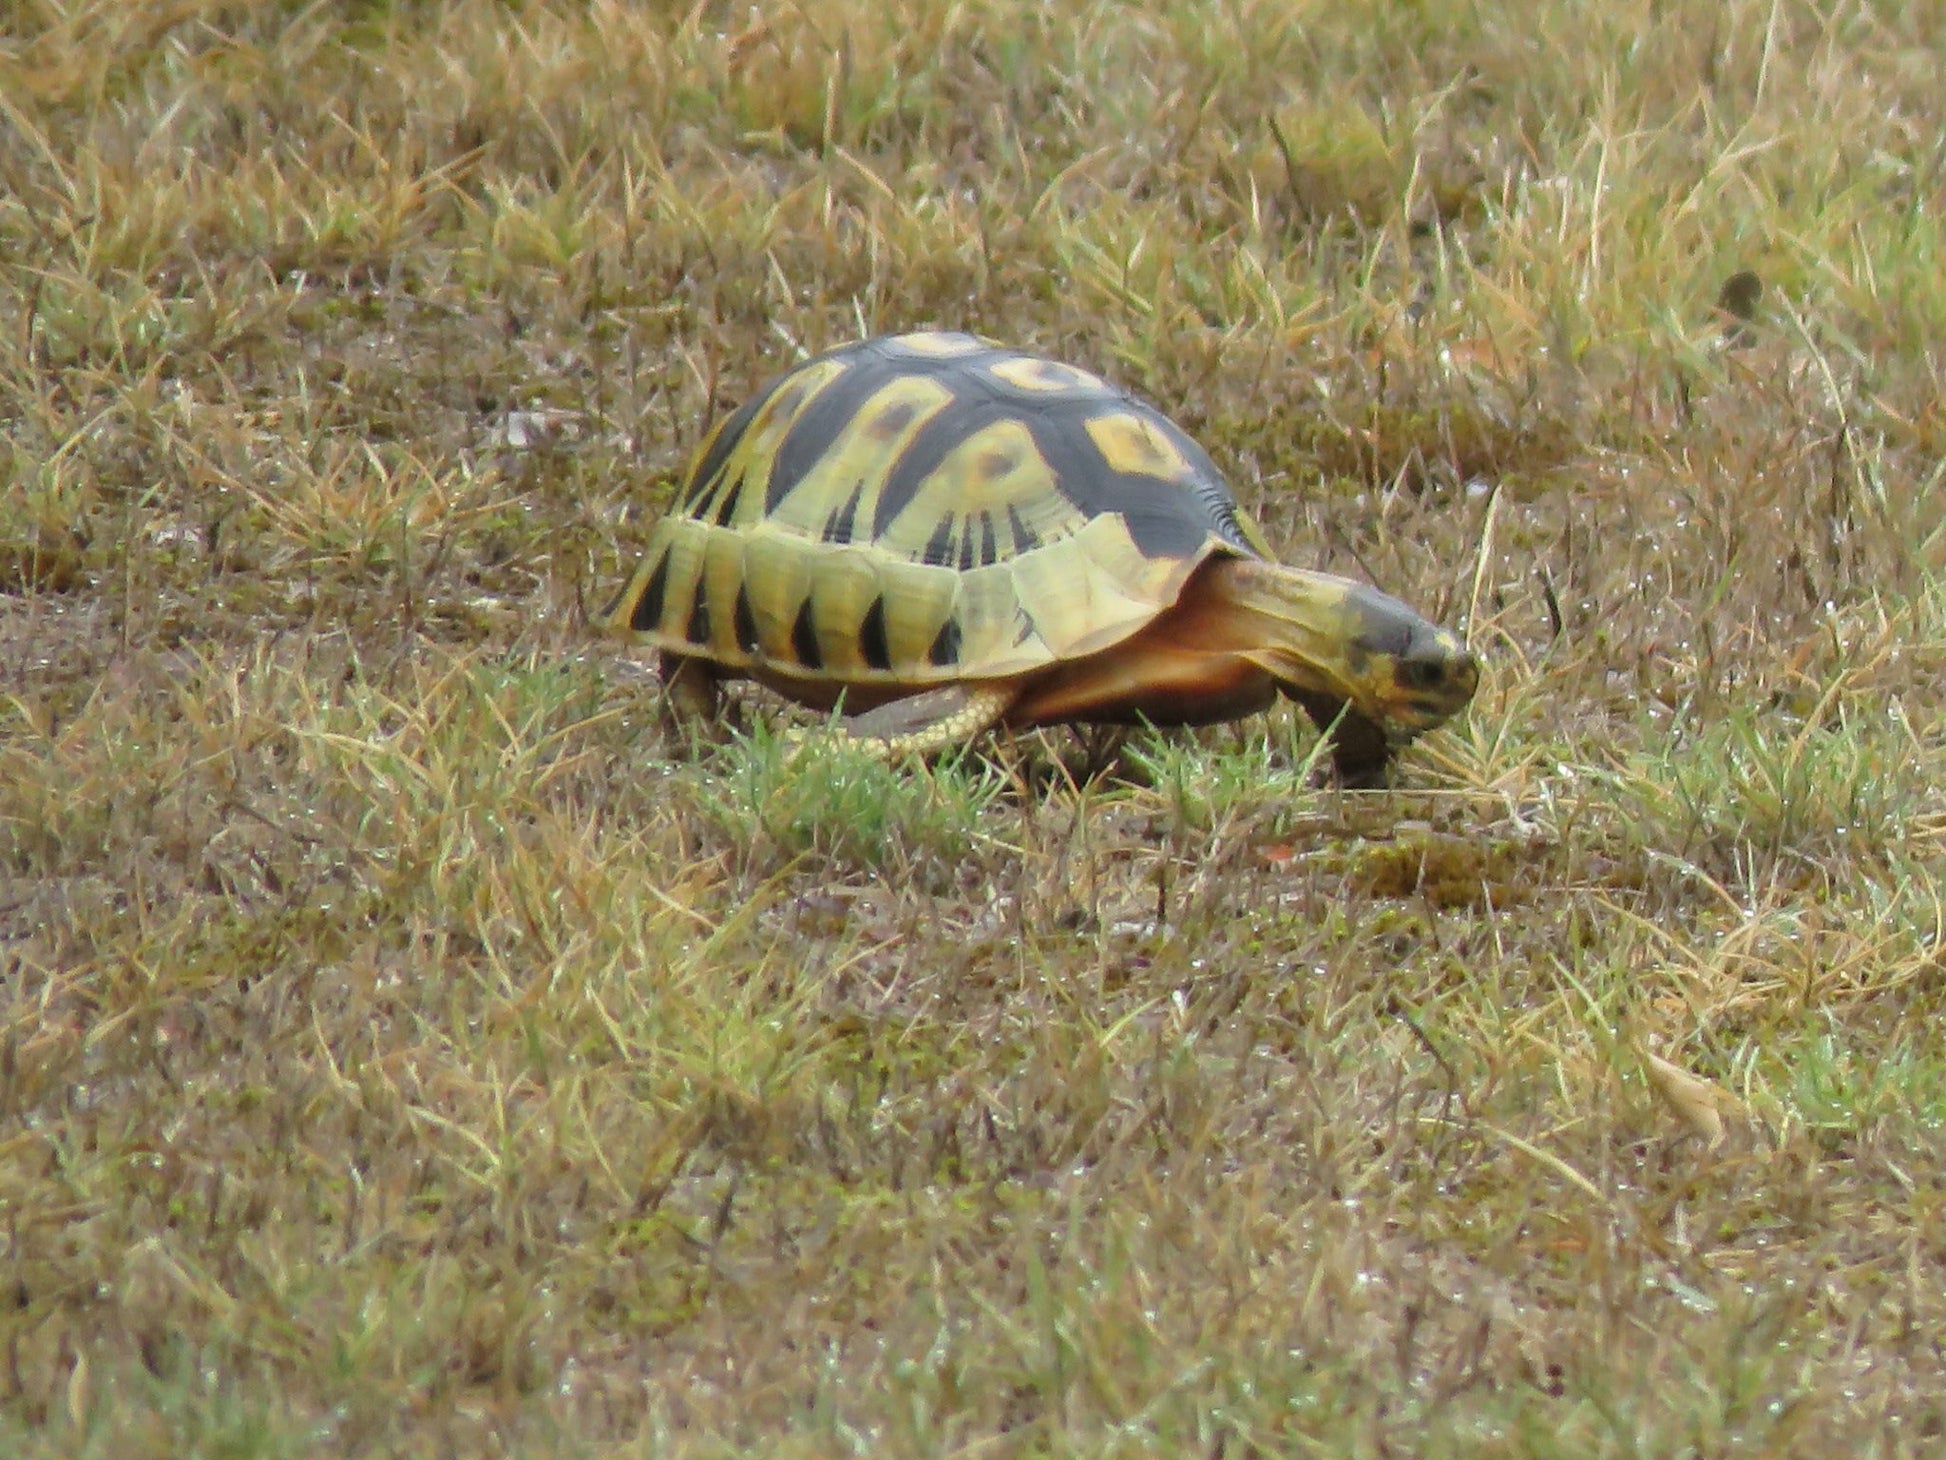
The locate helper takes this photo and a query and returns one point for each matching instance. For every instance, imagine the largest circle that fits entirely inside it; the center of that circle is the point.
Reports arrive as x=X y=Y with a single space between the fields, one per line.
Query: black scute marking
x=838 y=526
x=939 y=547
x=697 y=631
x=945 y=645
x=648 y=608
x=989 y=544
x=703 y=478
x=869 y=366
x=976 y=406
x=728 y=507
x=746 y=622
x=695 y=493
x=1165 y=518
x=968 y=547
x=872 y=644
x=804 y=637
x=1025 y=538
x=1208 y=485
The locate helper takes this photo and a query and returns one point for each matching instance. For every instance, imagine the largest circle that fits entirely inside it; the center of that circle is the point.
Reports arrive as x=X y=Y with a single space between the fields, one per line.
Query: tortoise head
x=1355 y=656
x=1415 y=675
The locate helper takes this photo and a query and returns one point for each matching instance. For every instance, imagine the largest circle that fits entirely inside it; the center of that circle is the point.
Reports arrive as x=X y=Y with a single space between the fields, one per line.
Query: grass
x=407 y=1050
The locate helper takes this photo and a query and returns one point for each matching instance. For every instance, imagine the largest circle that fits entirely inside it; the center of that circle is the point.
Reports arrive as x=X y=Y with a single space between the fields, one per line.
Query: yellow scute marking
x=688 y=544
x=1135 y=446
x=777 y=576
x=1096 y=590
x=847 y=582
x=1026 y=372
x=702 y=450
x=861 y=455
x=990 y=470
x=758 y=444
x=917 y=601
x=722 y=576
x=940 y=345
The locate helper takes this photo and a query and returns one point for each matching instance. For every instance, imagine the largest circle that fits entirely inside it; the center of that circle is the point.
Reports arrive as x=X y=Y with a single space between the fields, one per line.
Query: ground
x=411 y=1048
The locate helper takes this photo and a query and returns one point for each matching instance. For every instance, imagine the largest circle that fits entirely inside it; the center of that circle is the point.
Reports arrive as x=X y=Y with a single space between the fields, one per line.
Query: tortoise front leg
x=1360 y=754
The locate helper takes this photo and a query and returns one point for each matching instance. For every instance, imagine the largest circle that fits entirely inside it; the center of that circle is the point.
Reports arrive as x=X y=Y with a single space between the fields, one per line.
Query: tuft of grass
x=1206 y=788
x=1783 y=799
x=827 y=801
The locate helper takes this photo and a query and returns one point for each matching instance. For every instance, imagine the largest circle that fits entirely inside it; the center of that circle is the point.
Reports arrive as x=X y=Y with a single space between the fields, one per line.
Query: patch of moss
x=1454 y=871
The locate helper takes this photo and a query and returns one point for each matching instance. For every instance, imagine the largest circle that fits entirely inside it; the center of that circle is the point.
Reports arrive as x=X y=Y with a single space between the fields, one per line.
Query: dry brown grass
x=405 y=1051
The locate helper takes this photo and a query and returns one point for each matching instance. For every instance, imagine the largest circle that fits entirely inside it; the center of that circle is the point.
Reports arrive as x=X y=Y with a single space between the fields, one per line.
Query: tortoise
x=940 y=535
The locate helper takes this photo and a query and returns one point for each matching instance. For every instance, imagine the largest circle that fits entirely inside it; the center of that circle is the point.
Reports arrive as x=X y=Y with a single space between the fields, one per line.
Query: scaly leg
x=692 y=698
x=930 y=721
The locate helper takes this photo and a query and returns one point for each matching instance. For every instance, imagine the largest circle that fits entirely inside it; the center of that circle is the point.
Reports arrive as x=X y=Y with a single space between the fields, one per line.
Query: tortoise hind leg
x=932 y=720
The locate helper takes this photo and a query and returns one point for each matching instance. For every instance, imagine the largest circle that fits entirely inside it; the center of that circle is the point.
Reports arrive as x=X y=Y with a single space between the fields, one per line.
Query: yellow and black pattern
x=928 y=507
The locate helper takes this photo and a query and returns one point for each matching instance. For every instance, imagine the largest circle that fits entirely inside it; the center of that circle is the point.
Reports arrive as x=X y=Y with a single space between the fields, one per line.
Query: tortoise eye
x=1422 y=673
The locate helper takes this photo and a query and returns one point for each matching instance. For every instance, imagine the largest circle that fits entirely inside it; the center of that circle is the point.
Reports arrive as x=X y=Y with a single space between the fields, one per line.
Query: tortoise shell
x=926 y=509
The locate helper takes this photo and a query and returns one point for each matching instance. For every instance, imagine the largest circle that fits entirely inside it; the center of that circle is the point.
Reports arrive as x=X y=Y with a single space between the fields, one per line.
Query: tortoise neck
x=1281 y=617
x=1255 y=585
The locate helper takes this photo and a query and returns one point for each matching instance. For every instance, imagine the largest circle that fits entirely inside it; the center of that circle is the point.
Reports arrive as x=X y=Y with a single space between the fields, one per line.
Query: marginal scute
x=841 y=597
